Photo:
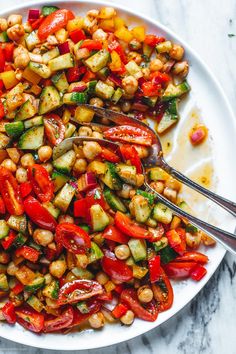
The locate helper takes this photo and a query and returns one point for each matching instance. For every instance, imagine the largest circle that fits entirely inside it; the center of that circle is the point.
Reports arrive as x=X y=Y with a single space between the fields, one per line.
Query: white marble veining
x=207 y=325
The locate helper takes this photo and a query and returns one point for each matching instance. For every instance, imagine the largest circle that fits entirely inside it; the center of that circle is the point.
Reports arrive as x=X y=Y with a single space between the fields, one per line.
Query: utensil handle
x=224 y=203
x=227 y=239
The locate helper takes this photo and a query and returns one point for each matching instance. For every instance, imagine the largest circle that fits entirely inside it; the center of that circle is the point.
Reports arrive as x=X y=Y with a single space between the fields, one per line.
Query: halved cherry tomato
x=114 y=234
x=25 y=189
x=129 y=227
x=198 y=272
x=93 y=307
x=129 y=297
x=179 y=269
x=78 y=290
x=109 y=155
x=54 y=22
x=91 y=44
x=54 y=128
x=38 y=214
x=163 y=292
x=8 y=241
x=29 y=253
x=10 y=192
x=159 y=78
x=30 y=319
x=193 y=257
x=150 y=89
x=129 y=134
x=8 y=312
x=41 y=182
x=116 y=268
x=154 y=265
x=153 y=40
x=60 y=322
x=130 y=153
x=18 y=288
x=72 y=237
x=2 y=206
x=82 y=206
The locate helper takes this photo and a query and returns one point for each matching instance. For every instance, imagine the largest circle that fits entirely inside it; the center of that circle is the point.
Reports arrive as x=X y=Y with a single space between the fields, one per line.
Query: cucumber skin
x=14 y=129
x=114 y=202
x=31 y=135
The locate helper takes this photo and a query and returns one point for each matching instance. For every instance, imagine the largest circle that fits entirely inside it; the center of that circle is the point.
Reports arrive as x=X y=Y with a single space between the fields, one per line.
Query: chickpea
x=139 y=180
x=135 y=57
x=97 y=102
x=181 y=69
x=145 y=294
x=80 y=166
x=9 y=164
x=126 y=106
x=114 y=108
x=107 y=12
x=158 y=186
x=170 y=194
x=97 y=320
x=91 y=150
x=57 y=268
x=14 y=20
x=43 y=237
x=100 y=35
x=173 y=184
x=19 y=74
x=48 y=278
x=122 y=252
x=97 y=135
x=128 y=318
x=193 y=241
x=146 y=73
x=130 y=85
x=156 y=65
x=48 y=166
x=21 y=175
x=45 y=153
x=27 y=160
x=102 y=278
x=176 y=52
x=85 y=131
x=3 y=24
x=125 y=192
x=16 y=32
x=65 y=218
x=93 y=13
x=22 y=61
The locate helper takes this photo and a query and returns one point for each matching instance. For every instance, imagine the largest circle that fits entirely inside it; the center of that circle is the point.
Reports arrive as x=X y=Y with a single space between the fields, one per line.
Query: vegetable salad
x=81 y=241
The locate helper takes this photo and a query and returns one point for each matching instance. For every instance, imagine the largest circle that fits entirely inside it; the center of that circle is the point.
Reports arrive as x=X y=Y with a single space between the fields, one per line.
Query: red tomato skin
x=114 y=234
x=30 y=319
x=130 y=153
x=153 y=40
x=66 y=232
x=41 y=182
x=25 y=189
x=54 y=22
x=116 y=268
x=129 y=227
x=29 y=253
x=54 y=128
x=8 y=312
x=179 y=269
x=193 y=257
x=109 y=155
x=164 y=303
x=61 y=322
x=93 y=305
x=91 y=44
x=2 y=206
x=78 y=290
x=154 y=265
x=198 y=272
x=77 y=35
x=8 y=241
x=2 y=60
x=129 y=134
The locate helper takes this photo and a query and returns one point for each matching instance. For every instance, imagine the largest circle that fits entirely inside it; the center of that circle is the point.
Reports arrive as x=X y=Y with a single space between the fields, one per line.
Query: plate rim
x=148 y=19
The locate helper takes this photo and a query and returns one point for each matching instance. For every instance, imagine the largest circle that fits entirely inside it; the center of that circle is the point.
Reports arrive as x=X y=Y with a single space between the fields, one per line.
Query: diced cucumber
x=98 y=61
x=4 y=229
x=49 y=100
x=127 y=173
x=166 y=122
x=158 y=174
x=4 y=286
x=138 y=249
x=150 y=101
x=103 y=90
x=141 y=209
x=51 y=54
x=81 y=273
x=164 y=47
x=147 y=50
x=162 y=214
x=64 y=197
x=32 y=40
x=33 y=122
x=27 y=110
x=59 y=180
x=185 y=207
x=103 y=73
x=75 y=97
x=114 y=201
x=167 y=254
x=70 y=129
x=95 y=253
x=40 y=69
x=18 y=223
x=111 y=178
x=47 y=10
x=35 y=303
x=133 y=69
x=20 y=240
x=173 y=91
x=91 y=87
x=14 y=129
x=117 y=95
x=36 y=284
x=62 y=62
x=65 y=162
x=99 y=218
x=32 y=139
x=52 y=290
x=191 y=228
x=60 y=81
x=84 y=115
x=4 y=37
x=55 y=212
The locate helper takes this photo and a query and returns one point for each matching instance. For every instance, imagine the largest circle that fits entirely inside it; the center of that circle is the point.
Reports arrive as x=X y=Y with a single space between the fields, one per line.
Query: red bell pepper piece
x=77 y=35
x=2 y=111
x=198 y=272
x=9 y=240
x=8 y=312
x=177 y=240
x=114 y=234
x=41 y=182
x=91 y=44
x=82 y=206
x=154 y=265
x=129 y=297
x=2 y=206
x=78 y=290
x=29 y=253
x=62 y=321
x=153 y=40
x=38 y=214
x=150 y=89
x=74 y=74
x=159 y=78
x=119 y=288
x=129 y=227
x=73 y=238
x=30 y=319
x=193 y=257
x=116 y=46
x=109 y=155
x=2 y=60
x=10 y=192
x=179 y=269
x=54 y=22
x=8 y=51
x=88 y=76
x=18 y=288
x=119 y=310
x=130 y=153
x=25 y=189
x=116 y=268
x=54 y=128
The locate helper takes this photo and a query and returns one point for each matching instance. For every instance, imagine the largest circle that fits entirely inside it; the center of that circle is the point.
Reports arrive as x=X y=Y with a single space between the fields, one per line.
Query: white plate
x=214 y=108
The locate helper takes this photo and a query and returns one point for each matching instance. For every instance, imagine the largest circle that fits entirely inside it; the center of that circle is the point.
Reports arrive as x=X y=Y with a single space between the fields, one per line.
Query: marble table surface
x=207 y=325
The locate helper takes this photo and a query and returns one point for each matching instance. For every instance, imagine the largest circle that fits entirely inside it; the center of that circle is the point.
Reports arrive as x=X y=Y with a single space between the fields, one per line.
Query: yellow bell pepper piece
x=30 y=76
x=9 y=79
x=107 y=25
x=116 y=63
x=124 y=34
x=74 y=24
x=139 y=33
x=119 y=22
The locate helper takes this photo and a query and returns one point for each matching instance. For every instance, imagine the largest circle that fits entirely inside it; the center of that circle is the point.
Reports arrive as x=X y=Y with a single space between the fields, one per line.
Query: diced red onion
x=64 y=48
x=197 y=136
x=79 y=88
x=33 y=14
x=74 y=184
x=115 y=79
x=87 y=181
